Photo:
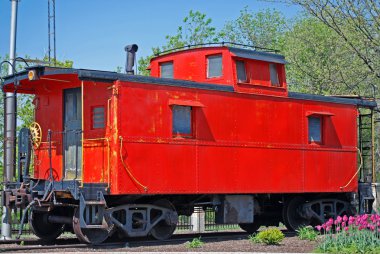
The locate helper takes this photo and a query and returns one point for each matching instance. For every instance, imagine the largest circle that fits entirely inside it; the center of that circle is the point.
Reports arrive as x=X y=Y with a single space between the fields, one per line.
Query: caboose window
x=274 y=74
x=214 y=66
x=315 y=129
x=98 y=117
x=182 y=120
x=166 y=70
x=240 y=71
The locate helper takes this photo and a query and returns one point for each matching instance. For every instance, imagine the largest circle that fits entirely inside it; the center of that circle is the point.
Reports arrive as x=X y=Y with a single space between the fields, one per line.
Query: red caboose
x=212 y=127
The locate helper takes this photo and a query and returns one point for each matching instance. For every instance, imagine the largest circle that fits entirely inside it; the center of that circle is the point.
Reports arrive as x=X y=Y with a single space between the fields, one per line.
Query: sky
x=93 y=33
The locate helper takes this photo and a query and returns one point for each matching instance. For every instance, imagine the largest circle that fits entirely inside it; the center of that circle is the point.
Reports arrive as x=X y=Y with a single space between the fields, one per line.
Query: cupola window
x=166 y=70
x=240 y=71
x=214 y=66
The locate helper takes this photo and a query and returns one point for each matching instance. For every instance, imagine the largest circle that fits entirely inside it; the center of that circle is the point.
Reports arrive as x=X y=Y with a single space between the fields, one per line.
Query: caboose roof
x=110 y=77
x=267 y=55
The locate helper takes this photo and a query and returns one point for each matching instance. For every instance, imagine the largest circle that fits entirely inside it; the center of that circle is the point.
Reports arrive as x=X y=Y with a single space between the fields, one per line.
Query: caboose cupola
x=247 y=70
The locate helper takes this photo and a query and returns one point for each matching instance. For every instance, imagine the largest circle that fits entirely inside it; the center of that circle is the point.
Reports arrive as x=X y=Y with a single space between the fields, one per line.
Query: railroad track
x=73 y=243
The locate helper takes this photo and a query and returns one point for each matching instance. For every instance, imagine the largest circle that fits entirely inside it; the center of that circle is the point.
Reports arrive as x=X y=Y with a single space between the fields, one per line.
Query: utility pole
x=51 y=31
x=10 y=102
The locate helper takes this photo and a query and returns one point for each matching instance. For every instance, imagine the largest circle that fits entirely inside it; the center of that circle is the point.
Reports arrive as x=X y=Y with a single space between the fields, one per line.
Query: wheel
x=89 y=235
x=250 y=227
x=292 y=214
x=42 y=228
x=162 y=230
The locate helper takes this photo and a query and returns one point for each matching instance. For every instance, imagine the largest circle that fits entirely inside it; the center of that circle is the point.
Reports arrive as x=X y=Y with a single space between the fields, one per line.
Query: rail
x=200 y=45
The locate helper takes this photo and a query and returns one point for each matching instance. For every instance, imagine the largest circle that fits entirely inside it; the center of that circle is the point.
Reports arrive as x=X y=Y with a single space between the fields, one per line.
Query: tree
x=196 y=29
x=320 y=62
x=263 y=29
x=356 y=24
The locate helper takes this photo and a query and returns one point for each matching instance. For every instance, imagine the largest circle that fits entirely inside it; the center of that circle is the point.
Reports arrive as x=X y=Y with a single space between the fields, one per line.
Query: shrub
x=195 y=243
x=359 y=234
x=269 y=236
x=254 y=238
x=307 y=233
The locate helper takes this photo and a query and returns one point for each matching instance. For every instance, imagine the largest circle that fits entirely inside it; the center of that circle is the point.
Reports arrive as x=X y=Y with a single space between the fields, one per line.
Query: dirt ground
x=291 y=244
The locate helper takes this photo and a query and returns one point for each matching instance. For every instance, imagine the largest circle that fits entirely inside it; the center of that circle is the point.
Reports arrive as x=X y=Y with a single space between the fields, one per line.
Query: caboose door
x=72 y=125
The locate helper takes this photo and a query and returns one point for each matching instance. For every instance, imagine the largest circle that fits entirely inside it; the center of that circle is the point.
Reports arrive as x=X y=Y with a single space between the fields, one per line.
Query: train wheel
x=42 y=228
x=162 y=230
x=89 y=235
x=250 y=227
x=292 y=214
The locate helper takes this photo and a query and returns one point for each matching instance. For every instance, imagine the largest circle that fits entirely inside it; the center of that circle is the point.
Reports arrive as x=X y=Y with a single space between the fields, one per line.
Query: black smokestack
x=131 y=52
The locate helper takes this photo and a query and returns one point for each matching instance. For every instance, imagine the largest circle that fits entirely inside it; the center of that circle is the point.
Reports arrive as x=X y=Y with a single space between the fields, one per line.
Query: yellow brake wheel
x=36 y=134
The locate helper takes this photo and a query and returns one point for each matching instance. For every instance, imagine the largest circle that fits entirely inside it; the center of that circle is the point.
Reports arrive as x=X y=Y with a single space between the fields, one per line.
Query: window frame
x=160 y=64
x=321 y=120
x=190 y=135
x=245 y=71
x=104 y=117
x=207 y=66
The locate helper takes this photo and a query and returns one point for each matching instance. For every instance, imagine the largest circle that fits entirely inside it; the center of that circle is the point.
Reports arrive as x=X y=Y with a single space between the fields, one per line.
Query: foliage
x=307 y=233
x=321 y=63
x=356 y=23
x=254 y=238
x=270 y=236
x=196 y=29
x=264 y=29
x=359 y=234
x=195 y=243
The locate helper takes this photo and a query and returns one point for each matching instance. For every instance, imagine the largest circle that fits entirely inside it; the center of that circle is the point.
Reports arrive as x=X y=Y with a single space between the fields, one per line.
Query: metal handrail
x=223 y=43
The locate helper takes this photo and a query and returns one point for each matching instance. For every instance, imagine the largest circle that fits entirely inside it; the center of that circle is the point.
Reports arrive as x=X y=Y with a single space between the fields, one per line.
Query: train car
x=212 y=126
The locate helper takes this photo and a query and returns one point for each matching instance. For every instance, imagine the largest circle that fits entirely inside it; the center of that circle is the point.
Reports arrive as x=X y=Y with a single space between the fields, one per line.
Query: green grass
x=307 y=233
x=195 y=243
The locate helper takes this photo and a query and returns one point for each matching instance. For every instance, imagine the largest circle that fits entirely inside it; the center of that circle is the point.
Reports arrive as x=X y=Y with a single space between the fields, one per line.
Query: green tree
x=320 y=62
x=196 y=29
x=357 y=25
x=263 y=29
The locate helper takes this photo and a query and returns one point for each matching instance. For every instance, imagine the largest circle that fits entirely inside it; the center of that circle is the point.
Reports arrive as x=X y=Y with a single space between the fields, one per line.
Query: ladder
x=366 y=142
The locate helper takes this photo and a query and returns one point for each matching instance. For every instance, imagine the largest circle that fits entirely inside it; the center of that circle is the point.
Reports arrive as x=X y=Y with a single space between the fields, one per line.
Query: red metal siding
x=243 y=144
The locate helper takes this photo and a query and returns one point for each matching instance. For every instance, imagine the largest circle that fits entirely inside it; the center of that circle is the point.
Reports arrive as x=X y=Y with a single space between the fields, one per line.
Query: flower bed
x=354 y=234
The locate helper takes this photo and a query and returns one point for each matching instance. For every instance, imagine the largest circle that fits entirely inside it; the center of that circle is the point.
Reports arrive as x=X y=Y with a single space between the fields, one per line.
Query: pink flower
x=319 y=227
x=330 y=222
x=346 y=228
x=328 y=228
x=337 y=228
x=339 y=219
x=345 y=218
x=372 y=227
x=343 y=224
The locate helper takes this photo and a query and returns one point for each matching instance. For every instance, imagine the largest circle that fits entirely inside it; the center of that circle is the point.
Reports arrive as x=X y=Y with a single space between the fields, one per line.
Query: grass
x=195 y=243
x=307 y=233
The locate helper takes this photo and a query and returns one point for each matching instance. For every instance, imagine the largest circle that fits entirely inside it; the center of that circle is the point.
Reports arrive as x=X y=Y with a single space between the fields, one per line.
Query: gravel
x=291 y=244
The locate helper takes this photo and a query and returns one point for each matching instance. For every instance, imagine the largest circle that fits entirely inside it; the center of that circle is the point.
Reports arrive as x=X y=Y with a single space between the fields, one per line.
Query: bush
x=195 y=243
x=307 y=233
x=270 y=236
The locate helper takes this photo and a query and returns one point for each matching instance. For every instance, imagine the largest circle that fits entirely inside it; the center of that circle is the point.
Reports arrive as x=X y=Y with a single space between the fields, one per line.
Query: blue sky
x=93 y=33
